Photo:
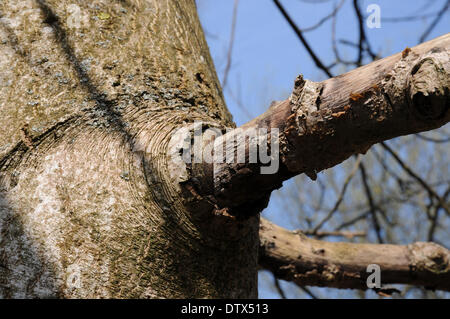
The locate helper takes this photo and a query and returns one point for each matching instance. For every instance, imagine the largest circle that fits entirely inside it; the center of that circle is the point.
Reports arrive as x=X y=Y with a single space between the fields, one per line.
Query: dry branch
x=324 y=123
x=294 y=257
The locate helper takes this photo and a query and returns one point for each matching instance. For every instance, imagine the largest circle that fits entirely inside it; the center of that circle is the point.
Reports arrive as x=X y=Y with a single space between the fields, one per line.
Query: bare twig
x=324 y=19
x=305 y=43
x=410 y=172
x=373 y=208
x=434 y=140
x=230 y=45
x=334 y=44
x=278 y=288
x=362 y=36
x=435 y=217
x=435 y=22
x=353 y=221
x=409 y=18
x=340 y=198
x=308 y=292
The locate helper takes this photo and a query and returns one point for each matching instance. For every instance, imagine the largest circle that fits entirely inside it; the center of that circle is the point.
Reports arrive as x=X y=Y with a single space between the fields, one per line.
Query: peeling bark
x=322 y=124
x=294 y=257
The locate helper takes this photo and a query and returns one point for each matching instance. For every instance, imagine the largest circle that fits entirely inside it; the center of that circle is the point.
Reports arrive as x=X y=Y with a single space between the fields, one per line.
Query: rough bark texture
x=308 y=262
x=324 y=123
x=89 y=203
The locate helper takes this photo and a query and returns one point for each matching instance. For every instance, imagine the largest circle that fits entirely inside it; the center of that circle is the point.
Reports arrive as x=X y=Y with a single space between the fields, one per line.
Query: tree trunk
x=90 y=204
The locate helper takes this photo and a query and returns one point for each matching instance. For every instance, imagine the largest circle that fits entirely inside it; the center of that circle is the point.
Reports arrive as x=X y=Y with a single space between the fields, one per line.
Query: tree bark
x=90 y=204
x=94 y=200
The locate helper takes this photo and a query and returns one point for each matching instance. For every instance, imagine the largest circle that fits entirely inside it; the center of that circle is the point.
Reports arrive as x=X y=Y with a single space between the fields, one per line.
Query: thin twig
x=409 y=18
x=278 y=288
x=352 y=221
x=341 y=196
x=305 y=43
x=230 y=45
x=417 y=178
x=434 y=140
x=435 y=217
x=362 y=36
x=435 y=22
x=324 y=19
x=361 y=32
x=334 y=44
x=309 y=292
x=373 y=208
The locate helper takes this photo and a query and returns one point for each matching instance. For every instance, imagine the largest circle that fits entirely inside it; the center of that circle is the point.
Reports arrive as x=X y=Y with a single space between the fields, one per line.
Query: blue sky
x=267 y=56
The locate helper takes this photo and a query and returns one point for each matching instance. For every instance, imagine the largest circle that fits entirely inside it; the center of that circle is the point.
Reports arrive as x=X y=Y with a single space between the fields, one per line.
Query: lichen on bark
x=87 y=205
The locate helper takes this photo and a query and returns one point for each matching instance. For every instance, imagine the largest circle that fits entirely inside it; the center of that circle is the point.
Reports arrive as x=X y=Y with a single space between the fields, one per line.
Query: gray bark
x=87 y=204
